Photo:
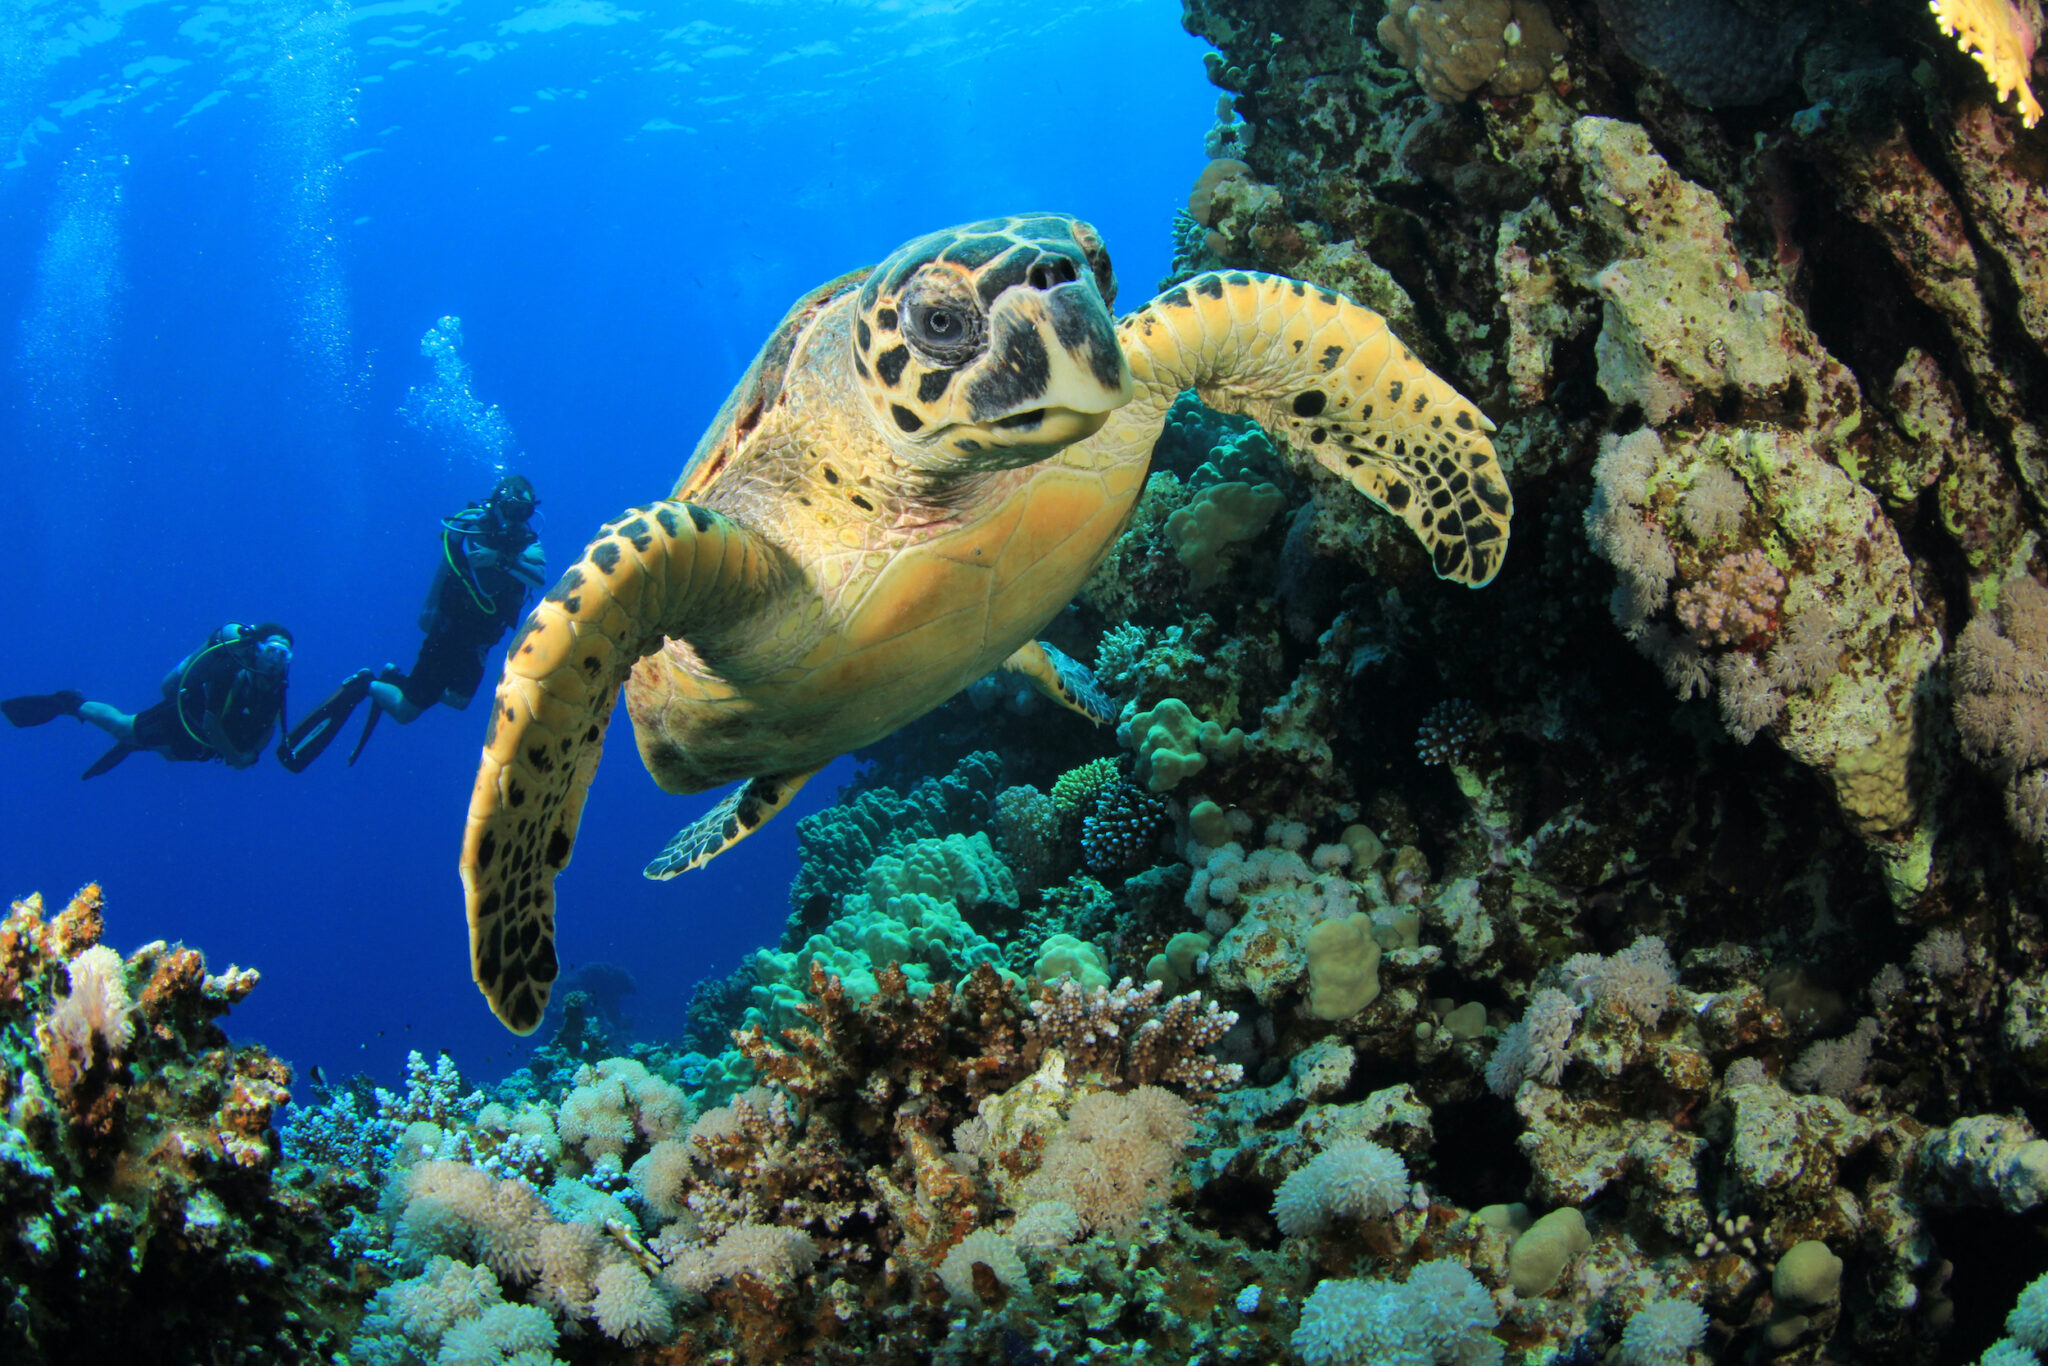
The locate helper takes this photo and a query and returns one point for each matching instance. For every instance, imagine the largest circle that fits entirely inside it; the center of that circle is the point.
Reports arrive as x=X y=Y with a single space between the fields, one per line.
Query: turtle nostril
x=1050 y=271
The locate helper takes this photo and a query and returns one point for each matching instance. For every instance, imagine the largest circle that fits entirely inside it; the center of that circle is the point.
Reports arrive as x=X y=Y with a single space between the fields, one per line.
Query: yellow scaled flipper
x=638 y=582
x=1330 y=376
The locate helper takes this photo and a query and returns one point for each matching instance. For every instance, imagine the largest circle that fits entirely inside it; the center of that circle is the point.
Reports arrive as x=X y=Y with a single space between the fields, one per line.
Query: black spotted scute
x=548 y=721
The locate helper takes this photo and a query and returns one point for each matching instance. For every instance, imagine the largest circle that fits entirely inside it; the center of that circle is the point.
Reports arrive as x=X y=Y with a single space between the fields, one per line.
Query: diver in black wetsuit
x=490 y=559
x=219 y=702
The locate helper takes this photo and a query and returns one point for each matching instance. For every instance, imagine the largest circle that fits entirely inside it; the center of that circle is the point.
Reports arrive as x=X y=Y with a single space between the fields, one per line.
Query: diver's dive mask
x=273 y=655
x=512 y=502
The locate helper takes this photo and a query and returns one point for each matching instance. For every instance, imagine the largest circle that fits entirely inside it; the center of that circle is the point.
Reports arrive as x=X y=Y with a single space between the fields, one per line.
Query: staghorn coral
x=1123 y=1035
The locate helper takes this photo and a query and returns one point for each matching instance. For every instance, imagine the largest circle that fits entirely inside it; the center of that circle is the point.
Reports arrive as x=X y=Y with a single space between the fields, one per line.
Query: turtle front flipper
x=1062 y=679
x=649 y=575
x=1330 y=376
x=745 y=809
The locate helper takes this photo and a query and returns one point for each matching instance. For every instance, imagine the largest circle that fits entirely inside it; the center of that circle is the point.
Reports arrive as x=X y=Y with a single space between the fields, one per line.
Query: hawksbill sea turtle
x=920 y=469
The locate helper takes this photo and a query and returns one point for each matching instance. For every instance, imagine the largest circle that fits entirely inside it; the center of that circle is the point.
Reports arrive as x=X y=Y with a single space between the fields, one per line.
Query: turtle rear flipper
x=648 y=575
x=745 y=809
x=1331 y=377
x=1063 y=679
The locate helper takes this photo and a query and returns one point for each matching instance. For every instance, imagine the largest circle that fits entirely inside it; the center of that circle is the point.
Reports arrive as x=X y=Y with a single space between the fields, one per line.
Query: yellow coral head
x=2000 y=38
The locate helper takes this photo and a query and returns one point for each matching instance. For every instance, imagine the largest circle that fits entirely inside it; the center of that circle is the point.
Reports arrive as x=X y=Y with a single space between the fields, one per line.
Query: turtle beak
x=1050 y=349
x=1052 y=374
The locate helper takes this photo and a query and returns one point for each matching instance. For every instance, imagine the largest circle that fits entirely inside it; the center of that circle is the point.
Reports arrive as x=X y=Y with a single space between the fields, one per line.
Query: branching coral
x=1122 y=830
x=1737 y=604
x=1125 y=1036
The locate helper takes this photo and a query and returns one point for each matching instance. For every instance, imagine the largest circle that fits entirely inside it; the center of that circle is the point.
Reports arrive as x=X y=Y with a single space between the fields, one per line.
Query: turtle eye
x=946 y=333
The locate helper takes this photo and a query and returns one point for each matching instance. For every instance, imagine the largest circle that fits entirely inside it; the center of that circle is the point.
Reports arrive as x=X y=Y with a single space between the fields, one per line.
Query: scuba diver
x=219 y=702
x=490 y=558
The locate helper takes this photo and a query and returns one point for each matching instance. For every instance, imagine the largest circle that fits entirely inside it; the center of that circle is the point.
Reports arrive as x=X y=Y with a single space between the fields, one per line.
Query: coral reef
x=1639 y=960
x=148 y=1214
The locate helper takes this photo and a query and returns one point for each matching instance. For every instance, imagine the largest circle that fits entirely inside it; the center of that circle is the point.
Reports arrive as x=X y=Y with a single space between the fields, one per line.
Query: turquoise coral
x=1172 y=746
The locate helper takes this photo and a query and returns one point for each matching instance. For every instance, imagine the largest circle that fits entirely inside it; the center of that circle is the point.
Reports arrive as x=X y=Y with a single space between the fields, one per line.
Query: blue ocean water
x=225 y=230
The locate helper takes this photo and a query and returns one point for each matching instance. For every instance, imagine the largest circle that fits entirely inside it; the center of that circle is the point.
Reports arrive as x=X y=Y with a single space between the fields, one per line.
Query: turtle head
x=992 y=345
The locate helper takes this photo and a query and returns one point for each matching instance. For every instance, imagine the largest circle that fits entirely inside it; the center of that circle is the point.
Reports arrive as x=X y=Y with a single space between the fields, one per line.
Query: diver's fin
x=317 y=728
x=38 y=709
x=112 y=757
x=368 y=725
x=745 y=810
x=1062 y=679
